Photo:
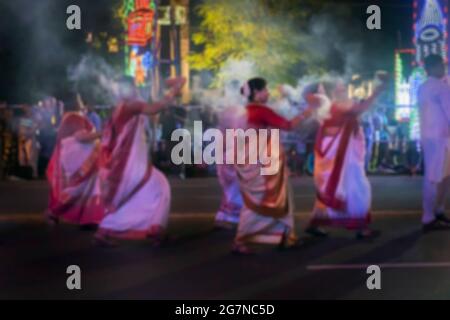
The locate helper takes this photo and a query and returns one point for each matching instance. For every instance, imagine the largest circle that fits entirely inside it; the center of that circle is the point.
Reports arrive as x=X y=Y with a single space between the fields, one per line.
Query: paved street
x=198 y=263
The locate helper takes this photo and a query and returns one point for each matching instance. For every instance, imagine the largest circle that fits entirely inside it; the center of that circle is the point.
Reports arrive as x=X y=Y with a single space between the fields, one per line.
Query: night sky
x=36 y=48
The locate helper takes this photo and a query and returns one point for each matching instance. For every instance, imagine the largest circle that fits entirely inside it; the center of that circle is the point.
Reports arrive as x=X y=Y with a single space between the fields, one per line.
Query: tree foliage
x=269 y=33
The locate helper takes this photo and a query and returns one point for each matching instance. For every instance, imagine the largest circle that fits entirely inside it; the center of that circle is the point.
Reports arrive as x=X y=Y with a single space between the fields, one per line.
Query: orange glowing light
x=140 y=27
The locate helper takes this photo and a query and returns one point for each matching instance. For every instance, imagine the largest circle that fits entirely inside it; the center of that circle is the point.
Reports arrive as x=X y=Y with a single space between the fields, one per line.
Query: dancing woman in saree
x=343 y=191
x=136 y=194
x=267 y=214
x=72 y=174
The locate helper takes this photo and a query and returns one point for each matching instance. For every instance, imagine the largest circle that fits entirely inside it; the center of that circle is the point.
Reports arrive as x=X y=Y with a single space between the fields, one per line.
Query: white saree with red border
x=136 y=194
x=72 y=174
x=343 y=190
x=267 y=215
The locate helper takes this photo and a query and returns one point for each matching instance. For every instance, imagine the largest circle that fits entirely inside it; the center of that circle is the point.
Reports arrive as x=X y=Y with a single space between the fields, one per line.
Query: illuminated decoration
x=113 y=45
x=404 y=94
x=406 y=87
x=402 y=86
x=418 y=76
x=402 y=91
x=430 y=37
x=430 y=28
x=140 y=64
x=140 y=27
x=399 y=79
x=414 y=125
x=164 y=15
x=138 y=16
x=130 y=6
x=143 y=5
x=403 y=114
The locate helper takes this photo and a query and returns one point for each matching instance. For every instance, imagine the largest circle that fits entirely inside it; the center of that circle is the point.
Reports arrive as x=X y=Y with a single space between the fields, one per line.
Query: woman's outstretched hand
x=176 y=85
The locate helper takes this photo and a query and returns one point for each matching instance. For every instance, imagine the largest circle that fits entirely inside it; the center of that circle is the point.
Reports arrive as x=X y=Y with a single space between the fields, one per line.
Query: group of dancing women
x=107 y=181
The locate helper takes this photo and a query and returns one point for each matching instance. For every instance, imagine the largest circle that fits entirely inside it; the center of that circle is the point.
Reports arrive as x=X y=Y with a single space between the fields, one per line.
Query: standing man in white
x=434 y=105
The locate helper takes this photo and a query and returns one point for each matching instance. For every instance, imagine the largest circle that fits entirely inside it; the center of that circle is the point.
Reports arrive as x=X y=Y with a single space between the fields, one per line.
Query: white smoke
x=292 y=100
x=240 y=70
x=330 y=39
x=230 y=80
x=95 y=75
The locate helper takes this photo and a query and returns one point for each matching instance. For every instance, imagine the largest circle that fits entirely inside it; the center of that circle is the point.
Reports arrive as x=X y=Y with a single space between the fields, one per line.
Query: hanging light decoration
x=139 y=19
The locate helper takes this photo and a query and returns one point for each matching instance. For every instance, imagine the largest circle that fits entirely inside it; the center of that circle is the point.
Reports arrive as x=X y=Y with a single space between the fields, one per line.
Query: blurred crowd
x=28 y=135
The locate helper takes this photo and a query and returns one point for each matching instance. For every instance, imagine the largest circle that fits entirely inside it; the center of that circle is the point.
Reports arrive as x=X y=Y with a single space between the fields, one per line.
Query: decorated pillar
x=430 y=28
x=139 y=18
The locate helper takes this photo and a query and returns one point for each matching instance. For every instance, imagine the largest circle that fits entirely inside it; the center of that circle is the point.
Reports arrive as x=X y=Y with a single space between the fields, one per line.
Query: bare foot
x=104 y=241
x=240 y=249
x=223 y=225
x=51 y=220
x=367 y=234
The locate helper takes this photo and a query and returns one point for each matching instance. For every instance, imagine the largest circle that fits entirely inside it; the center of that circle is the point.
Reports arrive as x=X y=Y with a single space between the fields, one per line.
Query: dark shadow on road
x=335 y=284
x=228 y=273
